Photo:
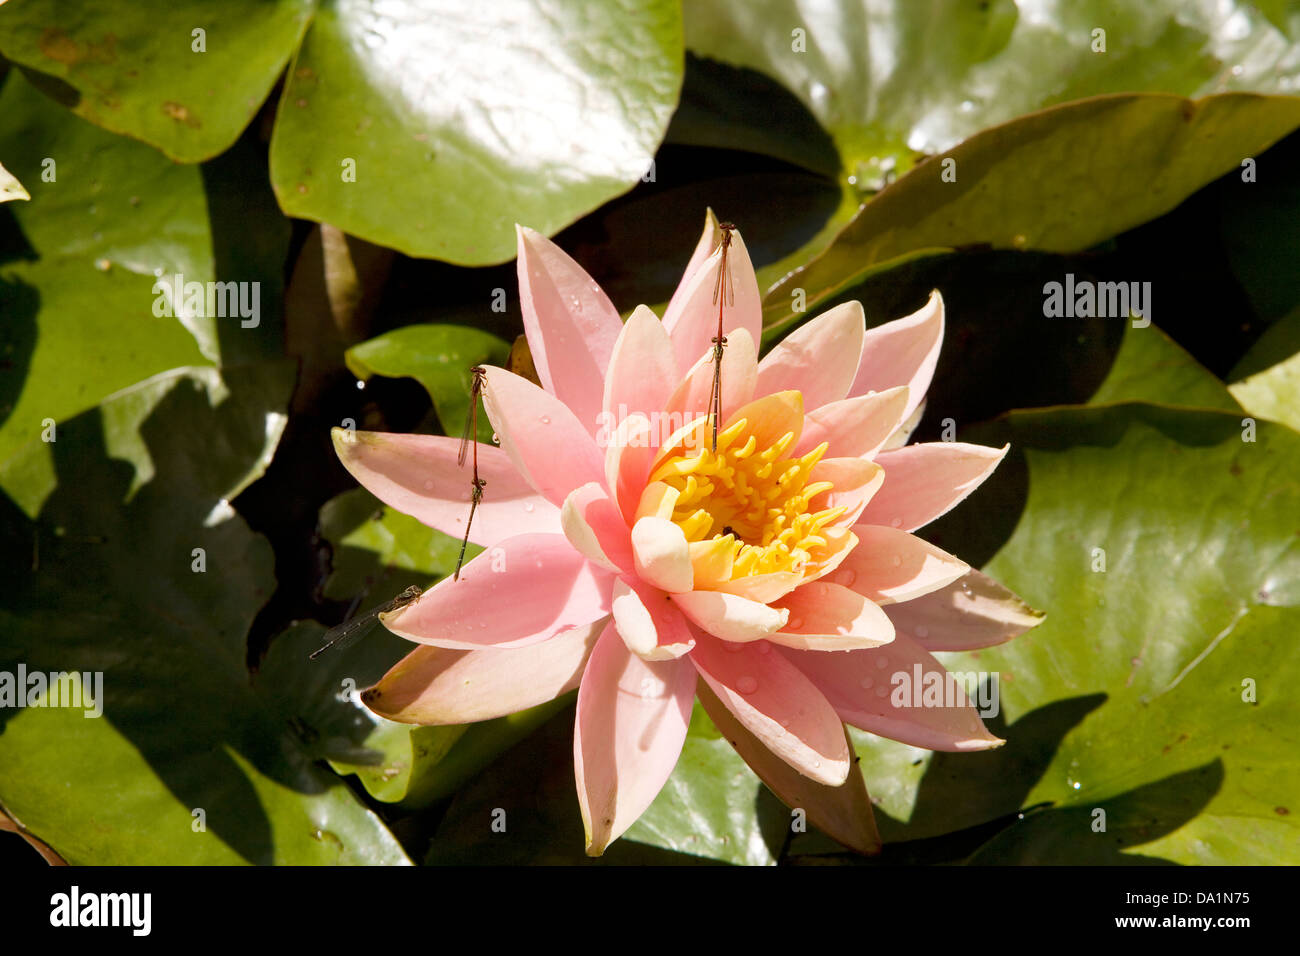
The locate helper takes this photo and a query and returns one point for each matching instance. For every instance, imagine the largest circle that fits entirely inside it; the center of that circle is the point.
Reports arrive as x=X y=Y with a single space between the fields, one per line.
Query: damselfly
x=724 y=293
x=351 y=629
x=470 y=436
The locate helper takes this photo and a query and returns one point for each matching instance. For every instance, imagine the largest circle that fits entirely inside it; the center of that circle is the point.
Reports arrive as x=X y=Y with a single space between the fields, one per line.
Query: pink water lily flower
x=777 y=575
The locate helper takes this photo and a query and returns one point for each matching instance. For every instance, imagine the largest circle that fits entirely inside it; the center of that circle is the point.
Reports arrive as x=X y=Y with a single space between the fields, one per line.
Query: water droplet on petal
x=897 y=561
x=866 y=683
x=847 y=576
x=895 y=522
x=882 y=691
x=882 y=663
x=795 y=623
x=764 y=647
x=746 y=685
x=922 y=631
x=528 y=506
x=546 y=419
x=733 y=646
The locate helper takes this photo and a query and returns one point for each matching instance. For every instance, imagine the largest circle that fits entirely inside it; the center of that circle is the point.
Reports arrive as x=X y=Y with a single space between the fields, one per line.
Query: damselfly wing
x=724 y=294
x=351 y=629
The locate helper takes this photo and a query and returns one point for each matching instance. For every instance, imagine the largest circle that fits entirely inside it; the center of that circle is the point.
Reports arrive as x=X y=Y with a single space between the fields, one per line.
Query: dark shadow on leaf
x=993 y=786
x=62 y=92
x=993 y=783
x=742 y=109
x=250 y=242
x=20 y=303
x=1073 y=835
x=112 y=590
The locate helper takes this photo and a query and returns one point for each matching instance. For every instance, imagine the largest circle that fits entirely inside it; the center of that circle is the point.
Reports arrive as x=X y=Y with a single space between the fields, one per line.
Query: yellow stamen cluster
x=753 y=503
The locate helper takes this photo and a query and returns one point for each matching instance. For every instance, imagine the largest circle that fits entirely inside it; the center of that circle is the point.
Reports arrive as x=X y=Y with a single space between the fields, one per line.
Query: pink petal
x=642 y=371
x=731 y=617
x=547 y=444
x=524 y=590
x=925 y=481
x=972 y=612
x=900 y=437
x=857 y=481
x=703 y=249
x=661 y=555
x=631 y=449
x=651 y=627
x=570 y=323
x=843 y=812
x=433 y=685
x=855 y=427
x=417 y=475
x=889 y=566
x=763 y=588
x=866 y=688
x=692 y=397
x=819 y=359
x=778 y=705
x=692 y=315
x=630 y=727
x=903 y=352
x=594 y=526
x=828 y=617
x=840 y=543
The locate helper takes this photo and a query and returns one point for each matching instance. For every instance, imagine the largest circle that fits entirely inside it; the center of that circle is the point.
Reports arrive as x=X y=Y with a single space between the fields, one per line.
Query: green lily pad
x=439 y=357
x=1272 y=392
x=84 y=265
x=891 y=88
x=187 y=764
x=475 y=133
x=1039 y=182
x=1151 y=367
x=144 y=68
x=79 y=260
x=1132 y=696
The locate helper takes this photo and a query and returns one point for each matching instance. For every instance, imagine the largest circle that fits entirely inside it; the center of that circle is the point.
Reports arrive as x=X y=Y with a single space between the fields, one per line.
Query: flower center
x=746 y=510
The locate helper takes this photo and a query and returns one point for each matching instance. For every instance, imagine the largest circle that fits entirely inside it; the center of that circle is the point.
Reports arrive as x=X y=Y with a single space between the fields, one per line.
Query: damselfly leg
x=467 y=438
